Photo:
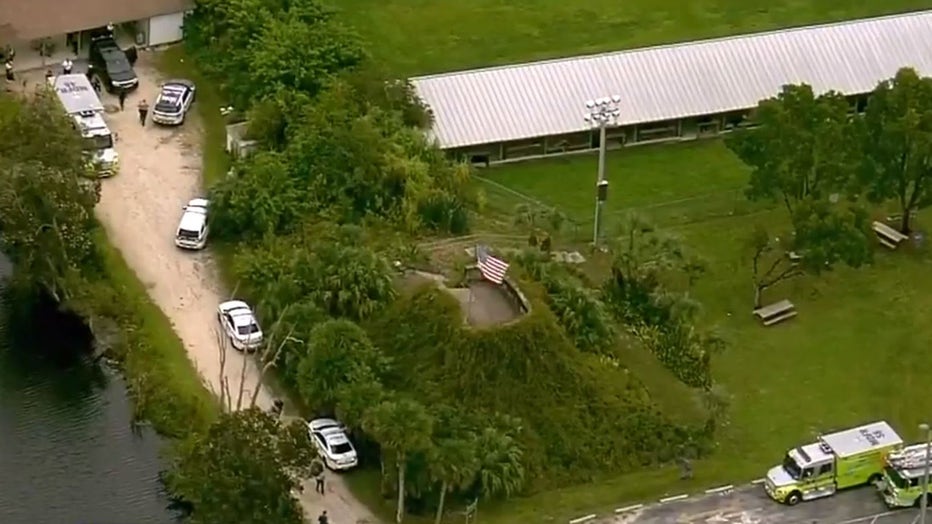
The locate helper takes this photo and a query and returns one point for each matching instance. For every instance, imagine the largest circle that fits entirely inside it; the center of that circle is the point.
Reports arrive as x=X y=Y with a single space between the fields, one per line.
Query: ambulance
x=903 y=476
x=80 y=101
x=840 y=460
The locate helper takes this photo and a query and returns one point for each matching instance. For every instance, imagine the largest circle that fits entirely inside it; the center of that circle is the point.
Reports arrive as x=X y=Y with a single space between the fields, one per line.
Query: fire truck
x=903 y=477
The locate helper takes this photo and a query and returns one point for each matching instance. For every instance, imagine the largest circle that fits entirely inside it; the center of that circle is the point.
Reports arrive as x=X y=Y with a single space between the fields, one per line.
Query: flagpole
x=469 y=286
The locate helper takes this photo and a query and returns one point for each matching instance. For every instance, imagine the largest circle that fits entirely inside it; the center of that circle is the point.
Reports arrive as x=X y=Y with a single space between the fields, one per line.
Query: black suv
x=112 y=65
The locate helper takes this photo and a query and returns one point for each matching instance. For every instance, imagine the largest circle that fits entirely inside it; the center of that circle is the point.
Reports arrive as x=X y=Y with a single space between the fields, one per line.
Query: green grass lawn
x=431 y=36
x=694 y=181
x=855 y=353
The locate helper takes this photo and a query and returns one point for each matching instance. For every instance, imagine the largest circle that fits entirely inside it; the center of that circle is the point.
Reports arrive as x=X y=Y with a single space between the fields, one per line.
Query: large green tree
x=243 y=469
x=824 y=235
x=453 y=463
x=802 y=146
x=501 y=469
x=339 y=354
x=255 y=47
x=402 y=427
x=337 y=274
x=897 y=143
x=46 y=203
x=301 y=52
x=261 y=199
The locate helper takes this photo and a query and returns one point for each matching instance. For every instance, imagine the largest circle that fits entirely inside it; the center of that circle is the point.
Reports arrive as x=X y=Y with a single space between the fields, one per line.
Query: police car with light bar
x=174 y=101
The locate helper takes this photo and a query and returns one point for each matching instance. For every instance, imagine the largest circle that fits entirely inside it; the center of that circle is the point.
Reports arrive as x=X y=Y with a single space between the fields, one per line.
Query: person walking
x=10 y=76
x=143 y=111
x=66 y=66
x=323 y=518
x=319 y=481
x=95 y=83
x=122 y=96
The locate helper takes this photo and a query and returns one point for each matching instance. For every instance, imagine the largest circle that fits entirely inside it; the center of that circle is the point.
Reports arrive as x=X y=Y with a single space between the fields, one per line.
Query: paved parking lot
x=750 y=505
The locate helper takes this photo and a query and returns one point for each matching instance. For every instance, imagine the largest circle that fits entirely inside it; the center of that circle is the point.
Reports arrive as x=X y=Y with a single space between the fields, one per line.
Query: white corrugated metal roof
x=668 y=82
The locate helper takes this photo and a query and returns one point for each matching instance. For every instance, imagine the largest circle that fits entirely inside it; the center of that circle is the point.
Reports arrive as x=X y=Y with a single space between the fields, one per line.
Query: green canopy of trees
x=804 y=149
x=578 y=416
x=344 y=166
x=46 y=203
x=243 y=469
x=826 y=164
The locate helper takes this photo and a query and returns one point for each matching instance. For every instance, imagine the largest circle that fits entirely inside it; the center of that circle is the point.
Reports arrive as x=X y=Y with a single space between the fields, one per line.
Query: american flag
x=492 y=269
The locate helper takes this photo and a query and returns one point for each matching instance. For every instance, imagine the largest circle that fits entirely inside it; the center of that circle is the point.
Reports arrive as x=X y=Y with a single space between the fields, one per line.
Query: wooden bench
x=776 y=313
x=888 y=237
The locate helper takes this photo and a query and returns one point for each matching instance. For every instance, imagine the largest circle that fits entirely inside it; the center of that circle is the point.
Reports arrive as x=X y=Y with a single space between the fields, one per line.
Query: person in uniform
x=143 y=108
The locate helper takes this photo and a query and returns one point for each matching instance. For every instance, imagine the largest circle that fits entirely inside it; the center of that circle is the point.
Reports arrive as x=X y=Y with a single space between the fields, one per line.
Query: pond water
x=68 y=452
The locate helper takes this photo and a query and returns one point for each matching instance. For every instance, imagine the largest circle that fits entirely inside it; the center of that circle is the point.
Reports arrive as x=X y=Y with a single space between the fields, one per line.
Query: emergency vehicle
x=840 y=460
x=903 y=476
x=80 y=101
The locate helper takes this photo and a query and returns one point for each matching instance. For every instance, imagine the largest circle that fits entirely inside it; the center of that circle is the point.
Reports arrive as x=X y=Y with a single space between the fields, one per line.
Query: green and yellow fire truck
x=902 y=478
x=845 y=459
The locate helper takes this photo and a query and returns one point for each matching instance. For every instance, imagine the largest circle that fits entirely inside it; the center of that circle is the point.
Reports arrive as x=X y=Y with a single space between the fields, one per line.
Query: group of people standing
x=8 y=54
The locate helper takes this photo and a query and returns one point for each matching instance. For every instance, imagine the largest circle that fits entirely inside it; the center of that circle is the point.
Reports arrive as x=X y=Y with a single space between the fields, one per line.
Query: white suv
x=193 y=229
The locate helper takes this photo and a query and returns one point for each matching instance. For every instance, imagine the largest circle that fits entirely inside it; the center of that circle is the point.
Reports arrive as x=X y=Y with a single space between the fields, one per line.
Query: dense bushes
x=336 y=149
x=579 y=416
x=257 y=47
x=327 y=268
x=578 y=308
x=649 y=291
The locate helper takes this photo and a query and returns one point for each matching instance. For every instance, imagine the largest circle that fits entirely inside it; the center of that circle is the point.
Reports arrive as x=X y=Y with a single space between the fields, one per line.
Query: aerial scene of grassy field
x=784 y=385
x=429 y=36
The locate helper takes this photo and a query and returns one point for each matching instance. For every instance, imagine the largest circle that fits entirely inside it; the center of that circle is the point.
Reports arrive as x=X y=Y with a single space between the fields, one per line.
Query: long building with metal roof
x=679 y=91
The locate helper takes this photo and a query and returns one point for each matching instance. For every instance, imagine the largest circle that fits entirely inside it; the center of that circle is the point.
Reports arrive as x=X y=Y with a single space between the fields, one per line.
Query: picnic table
x=888 y=237
x=776 y=313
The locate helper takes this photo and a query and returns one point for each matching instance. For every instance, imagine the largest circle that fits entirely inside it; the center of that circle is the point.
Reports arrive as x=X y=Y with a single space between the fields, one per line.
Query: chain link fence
x=501 y=202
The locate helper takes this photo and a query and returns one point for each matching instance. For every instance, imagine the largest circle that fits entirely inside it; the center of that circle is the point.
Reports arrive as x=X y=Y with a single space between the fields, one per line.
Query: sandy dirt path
x=140 y=208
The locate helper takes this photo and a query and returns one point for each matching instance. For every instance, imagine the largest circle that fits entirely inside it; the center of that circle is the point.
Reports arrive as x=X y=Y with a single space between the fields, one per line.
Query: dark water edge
x=69 y=453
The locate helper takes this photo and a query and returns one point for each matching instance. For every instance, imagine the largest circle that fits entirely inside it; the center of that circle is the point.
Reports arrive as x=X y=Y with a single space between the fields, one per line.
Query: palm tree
x=501 y=470
x=401 y=427
x=453 y=463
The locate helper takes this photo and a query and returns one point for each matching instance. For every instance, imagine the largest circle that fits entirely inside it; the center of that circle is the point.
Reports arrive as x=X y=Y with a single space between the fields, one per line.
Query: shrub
x=579 y=416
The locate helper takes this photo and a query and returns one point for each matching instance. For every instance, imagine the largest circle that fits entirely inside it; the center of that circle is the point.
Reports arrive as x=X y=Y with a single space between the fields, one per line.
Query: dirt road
x=140 y=209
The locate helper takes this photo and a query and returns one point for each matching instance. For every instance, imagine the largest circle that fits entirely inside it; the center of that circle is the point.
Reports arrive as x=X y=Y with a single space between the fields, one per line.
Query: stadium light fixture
x=601 y=113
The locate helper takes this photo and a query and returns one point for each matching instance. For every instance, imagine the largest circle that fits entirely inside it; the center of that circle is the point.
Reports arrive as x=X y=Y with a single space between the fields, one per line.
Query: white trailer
x=80 y=101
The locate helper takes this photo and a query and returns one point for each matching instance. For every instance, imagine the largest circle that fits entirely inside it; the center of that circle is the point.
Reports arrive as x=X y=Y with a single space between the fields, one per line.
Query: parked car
x=332 y=444
x=111 y=65
x=172 y=104
x=193 y=227
x=240 y=325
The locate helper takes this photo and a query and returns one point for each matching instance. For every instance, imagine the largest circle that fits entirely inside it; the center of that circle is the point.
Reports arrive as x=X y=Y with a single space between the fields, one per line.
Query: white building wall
x=165 y=29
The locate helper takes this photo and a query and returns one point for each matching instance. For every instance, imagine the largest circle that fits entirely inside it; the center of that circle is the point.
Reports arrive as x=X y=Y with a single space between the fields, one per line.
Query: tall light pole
x=600 y=113
x=924 y=502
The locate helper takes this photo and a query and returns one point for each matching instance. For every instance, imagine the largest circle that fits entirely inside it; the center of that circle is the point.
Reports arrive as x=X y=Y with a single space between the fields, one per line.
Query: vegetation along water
x=68 y=451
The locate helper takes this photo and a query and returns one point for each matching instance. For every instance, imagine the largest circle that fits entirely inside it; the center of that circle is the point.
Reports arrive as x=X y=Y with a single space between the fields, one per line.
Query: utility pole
x=600 y=113
x=924 y=502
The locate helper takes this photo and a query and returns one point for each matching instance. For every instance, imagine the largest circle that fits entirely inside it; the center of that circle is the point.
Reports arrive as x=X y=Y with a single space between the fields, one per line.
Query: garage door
x=165 y=29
